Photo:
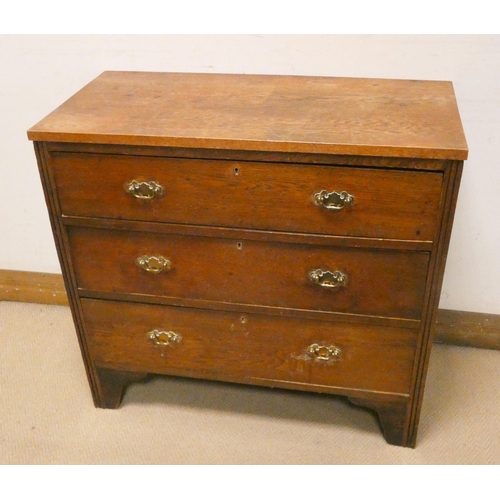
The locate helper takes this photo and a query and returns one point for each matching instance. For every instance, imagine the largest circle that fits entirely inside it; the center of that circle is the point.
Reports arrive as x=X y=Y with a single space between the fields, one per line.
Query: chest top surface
x=358 y=116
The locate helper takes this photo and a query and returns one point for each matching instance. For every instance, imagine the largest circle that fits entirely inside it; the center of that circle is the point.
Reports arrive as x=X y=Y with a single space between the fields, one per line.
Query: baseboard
x=468 y=329
x=453 y=327
x=39 y=288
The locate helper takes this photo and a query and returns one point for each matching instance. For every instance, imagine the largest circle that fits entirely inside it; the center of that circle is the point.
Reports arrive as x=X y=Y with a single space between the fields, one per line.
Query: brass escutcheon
x=144 y=190
x=328 y=279
x=153 y=264
x=323 y=352
x=162 y=338
x=333 y=200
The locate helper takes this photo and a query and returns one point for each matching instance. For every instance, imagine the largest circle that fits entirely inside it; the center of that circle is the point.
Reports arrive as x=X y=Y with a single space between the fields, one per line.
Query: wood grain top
x=370 y=117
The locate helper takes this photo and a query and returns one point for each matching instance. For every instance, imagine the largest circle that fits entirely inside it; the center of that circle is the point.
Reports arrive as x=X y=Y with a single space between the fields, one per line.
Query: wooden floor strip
x=461 y=328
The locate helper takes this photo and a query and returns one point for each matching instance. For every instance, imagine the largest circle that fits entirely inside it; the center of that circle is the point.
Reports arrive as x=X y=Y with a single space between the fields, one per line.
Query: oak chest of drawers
x=281 y=231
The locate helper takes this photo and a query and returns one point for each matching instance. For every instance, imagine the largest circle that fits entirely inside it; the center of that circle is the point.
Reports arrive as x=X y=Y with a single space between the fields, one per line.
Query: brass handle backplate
x=144 y=190
x=323 y=352
x=153 y=264
x=161 y=338
x=328 y=279
x=334 y=200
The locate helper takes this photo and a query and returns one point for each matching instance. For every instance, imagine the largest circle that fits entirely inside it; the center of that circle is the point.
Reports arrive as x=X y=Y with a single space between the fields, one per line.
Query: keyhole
x=239 y=245
x=236 y=171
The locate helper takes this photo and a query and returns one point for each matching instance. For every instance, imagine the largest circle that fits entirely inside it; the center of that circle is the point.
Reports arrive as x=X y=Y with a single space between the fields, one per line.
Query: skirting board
x=462 y=328
x=39 y=288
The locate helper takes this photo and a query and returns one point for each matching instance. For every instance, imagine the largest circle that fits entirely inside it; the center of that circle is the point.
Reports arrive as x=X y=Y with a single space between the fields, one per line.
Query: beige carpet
x=47 y=415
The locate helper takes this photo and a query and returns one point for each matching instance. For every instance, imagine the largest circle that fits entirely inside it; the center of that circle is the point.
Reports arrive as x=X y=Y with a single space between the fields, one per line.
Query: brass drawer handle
x=144 y=190
x=153 y=264
x=328 y=279
x=161 y=338
x=323 y=352
x=334 y=200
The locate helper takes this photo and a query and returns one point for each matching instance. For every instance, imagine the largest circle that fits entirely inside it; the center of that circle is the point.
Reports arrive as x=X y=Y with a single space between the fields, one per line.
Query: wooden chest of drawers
x=281 y=231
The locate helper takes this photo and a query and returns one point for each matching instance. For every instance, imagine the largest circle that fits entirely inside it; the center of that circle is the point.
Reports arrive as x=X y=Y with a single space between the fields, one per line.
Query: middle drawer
x=387 y=283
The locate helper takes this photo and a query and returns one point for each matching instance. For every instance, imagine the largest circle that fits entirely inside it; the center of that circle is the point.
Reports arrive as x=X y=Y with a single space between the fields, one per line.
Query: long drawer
x=387 y=283
x=219 y=345
x=334 y=200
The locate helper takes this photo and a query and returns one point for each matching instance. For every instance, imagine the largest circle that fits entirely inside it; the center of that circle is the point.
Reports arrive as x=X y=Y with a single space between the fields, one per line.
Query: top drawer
x=391 y=204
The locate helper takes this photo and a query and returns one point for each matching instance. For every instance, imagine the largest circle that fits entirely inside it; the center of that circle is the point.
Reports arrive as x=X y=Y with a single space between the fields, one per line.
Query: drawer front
x=385 y=203
x=219 y=345
x=386 y=283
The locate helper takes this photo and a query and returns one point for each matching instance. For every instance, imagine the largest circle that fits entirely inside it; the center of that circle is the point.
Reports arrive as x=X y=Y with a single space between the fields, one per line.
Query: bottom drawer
x=249 y=347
